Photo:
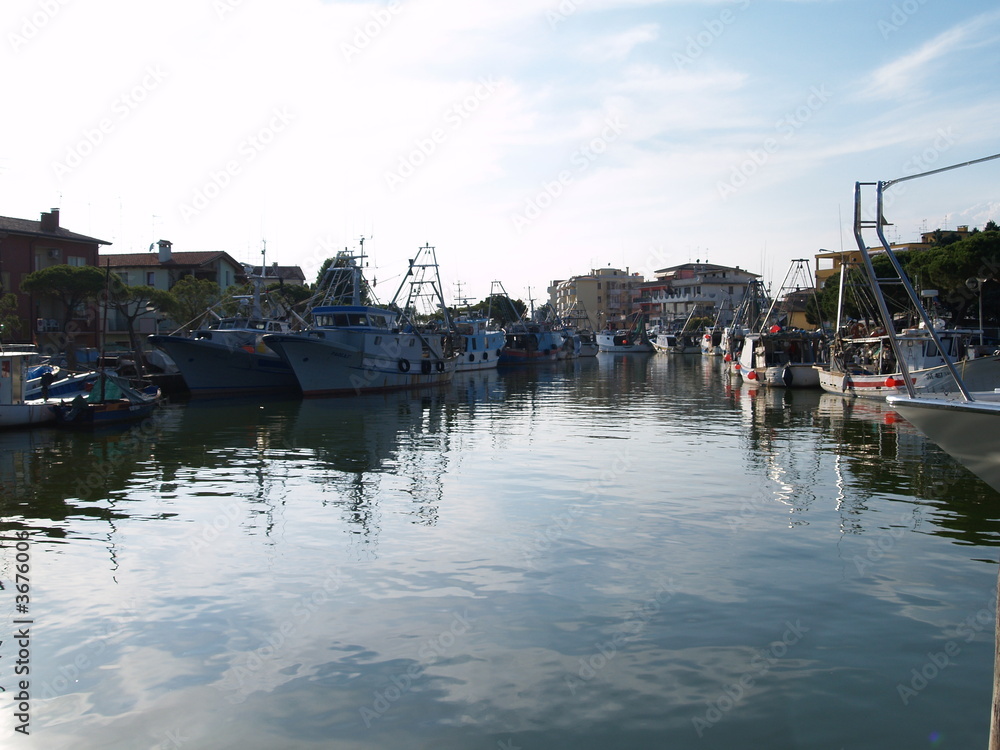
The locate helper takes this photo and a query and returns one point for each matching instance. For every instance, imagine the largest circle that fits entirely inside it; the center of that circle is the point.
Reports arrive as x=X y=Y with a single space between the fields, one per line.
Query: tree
x=339 y=284
x=503 y=310
x=72 y=286
x=10 y=322
x=130 y=302
x=190 y=300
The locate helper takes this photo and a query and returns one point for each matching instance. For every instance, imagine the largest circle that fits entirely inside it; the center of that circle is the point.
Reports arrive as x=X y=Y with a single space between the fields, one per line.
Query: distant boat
x=783 y=358
x=779 y=355
x=585 y=343
x=527 y=343
x=357 y=348
x=479 y=344
x=631 y=340
x=111 y=401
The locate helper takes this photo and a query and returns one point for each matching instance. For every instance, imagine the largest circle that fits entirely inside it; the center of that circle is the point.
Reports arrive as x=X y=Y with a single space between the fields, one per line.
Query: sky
x=526 y=140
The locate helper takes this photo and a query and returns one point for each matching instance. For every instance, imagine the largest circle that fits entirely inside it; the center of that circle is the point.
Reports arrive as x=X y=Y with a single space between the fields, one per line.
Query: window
x=150 y=278
x=76 y=260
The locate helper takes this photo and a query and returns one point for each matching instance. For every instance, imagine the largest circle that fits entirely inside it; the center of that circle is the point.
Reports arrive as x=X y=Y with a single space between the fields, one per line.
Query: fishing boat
x=112 y=400
x=780 y=355
x=17 y=409
x=529 y=341
x=480 y=345
x=963 y=422
x=867 y=365
x=353 y=347
x=229 y=357
x=585 y=343
x=631 y=340
x=783 y=358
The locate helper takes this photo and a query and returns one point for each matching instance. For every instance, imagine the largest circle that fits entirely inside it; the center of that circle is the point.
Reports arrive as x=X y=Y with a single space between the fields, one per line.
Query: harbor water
x=614 y=552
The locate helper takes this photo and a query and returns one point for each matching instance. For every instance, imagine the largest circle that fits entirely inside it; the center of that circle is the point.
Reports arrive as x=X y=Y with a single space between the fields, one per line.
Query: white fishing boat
x=354 y=347
x=479 y=344
x=15 y=409
x=631 y=340
x=585 y=343
x=867 y=366
x=782 y=358
x=229 y=357
x=780 y=355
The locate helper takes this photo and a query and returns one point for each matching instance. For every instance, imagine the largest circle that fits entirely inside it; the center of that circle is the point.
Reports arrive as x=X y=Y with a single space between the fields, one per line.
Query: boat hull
x=26 y=414
x=94 y=416
x=482 y=351
x=209 y=368
x=967 y=430
x=784 y=376
x=980 y=374
x=621 y=342
x=343 y=362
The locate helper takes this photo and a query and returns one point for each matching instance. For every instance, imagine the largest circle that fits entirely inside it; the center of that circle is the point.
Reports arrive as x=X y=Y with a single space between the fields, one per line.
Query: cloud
x=899 y=78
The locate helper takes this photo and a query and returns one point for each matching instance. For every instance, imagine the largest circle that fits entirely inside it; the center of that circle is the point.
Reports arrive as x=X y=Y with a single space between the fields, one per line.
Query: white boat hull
x=967 y=430
x=26 y=414
x=981 y=374
x=620 y=343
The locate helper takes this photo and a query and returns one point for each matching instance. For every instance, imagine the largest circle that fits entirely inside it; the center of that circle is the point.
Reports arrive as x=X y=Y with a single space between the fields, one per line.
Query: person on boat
x=46 y=380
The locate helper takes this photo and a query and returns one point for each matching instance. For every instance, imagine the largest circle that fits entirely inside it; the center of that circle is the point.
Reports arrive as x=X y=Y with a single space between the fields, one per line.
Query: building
x=829 y=263
x=161 y=270
x=282 y=274
x=602 y=299
x=27 y=246
x=704 y=289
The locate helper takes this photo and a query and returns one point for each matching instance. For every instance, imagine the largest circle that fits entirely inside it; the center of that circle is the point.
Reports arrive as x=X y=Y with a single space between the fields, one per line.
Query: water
x=621 y=552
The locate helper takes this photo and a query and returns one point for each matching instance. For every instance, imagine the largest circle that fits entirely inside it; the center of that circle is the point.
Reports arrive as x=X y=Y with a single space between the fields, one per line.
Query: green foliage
x=503 y=310
x=189 y=301
x=954 y=269
x=10 y=323
x=339 y=283
x=290 y=295
x=73 y=286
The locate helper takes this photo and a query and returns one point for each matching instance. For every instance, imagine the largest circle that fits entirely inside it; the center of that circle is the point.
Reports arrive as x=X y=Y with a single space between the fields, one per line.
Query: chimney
x=50 y=221
x=164 y=250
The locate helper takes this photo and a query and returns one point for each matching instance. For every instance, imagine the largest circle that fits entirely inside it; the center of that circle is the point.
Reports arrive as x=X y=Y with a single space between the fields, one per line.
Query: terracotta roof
x=152 y=259
x=282 y=272
x=34 y=228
